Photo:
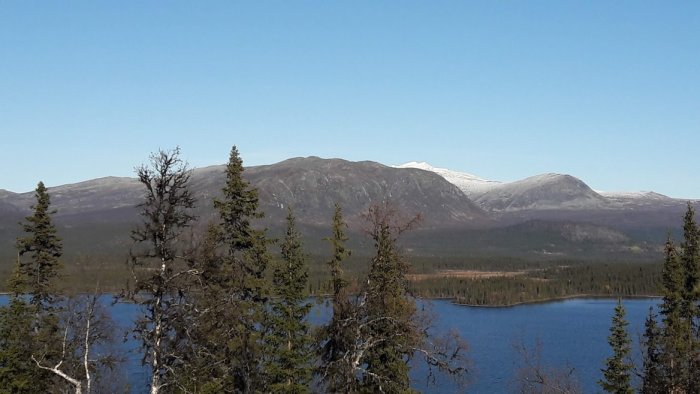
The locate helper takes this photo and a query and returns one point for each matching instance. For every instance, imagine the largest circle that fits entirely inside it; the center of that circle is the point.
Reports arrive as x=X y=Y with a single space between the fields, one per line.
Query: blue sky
x=608 y=91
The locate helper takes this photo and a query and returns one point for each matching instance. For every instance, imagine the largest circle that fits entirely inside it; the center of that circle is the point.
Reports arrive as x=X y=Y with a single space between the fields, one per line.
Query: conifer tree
x=245 y=262
x=690 y=257
x=18 y=374
x=677 y=331
x=390 y=323
x=30 y=331
x=159 y=270
x=231 y=294
x=340 y=253
x=338 y=337
x=288 y=368
x=368 y=344
x=39 y=273
x=652 y=373
x=616 y=375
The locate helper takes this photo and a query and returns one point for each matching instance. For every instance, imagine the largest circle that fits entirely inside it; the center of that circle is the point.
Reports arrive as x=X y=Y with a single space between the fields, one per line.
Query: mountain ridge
x=96 y=215
x=531 y=192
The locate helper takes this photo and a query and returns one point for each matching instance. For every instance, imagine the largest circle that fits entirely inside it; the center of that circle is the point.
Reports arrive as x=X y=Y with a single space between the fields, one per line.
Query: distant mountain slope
x=313 y=185
x=96 y=216
x=99 y=212
x=88 y=196
x=546 y=191
x=632 y=199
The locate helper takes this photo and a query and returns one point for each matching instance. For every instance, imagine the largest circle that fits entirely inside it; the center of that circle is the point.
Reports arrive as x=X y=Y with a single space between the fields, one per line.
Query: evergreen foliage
x=31 y=330
x=39 y=273
x=652 y=373
x=337 y=338
x=672 y=350
x=367 y=345
x=18 y=374
x=389 y=310
x=230 y=296
x=564 y=279
x=617 y=373
x=676 y=328
x=339 y=253
x=288 y=342
x=690 y=256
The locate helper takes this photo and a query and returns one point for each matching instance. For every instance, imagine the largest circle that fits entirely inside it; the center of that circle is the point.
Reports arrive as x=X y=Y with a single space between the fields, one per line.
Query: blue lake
x=571 y=332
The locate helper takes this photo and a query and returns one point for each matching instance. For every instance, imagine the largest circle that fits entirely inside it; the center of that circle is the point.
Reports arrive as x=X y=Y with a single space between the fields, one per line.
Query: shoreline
x=554 y=299
x=454 y=301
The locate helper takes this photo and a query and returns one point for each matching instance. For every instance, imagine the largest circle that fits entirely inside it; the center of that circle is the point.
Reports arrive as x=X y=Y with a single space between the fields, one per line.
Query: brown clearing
x=465 y=274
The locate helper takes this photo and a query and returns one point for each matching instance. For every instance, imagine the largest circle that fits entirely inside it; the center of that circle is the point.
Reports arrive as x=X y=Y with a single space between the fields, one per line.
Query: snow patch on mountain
x=544 y=191
x=471 y=185
x=634 y=195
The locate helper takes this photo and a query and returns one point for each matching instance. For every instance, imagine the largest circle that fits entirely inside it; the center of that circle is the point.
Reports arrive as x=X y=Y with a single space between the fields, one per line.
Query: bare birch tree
x=157 y=261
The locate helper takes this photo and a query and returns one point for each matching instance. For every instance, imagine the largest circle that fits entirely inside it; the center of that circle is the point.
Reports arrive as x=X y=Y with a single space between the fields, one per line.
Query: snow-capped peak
x=469 y=184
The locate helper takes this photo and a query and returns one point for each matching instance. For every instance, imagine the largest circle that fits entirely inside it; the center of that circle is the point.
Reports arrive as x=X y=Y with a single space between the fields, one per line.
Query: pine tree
x=616 y=375
x=159 y=270
x=652 y=373
x=31 y=331
x=340 y=253
x=231 y=296
x=389 y=312
x=338 y=337
x=288 y=368
x=18 y=374
x=40 y=272
x=690 y=257
x=677 y=331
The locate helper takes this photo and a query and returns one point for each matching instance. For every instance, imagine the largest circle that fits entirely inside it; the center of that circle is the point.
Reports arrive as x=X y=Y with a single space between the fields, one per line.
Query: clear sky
x=608 y=91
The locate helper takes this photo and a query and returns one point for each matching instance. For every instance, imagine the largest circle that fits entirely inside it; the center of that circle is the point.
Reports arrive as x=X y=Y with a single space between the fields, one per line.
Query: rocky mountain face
x=313 y=185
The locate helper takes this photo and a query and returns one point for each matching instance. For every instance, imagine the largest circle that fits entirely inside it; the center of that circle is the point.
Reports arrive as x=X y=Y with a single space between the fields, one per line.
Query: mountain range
x=463 y=214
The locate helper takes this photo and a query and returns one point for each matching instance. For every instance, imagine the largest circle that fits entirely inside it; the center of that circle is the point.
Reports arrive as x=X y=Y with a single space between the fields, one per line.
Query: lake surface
x=572 y=332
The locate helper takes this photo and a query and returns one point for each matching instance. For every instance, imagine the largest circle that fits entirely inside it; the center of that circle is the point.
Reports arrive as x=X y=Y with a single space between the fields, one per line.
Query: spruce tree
x=339 y=254
x=31 y=330
x=677 y=330
x=616 y=375
x=231 y=294
x=245 y=262
x=372 y=335
x=678 y=342
x=652 y=373
x=42 y=243
x=159 y=270
x=338 y=336
x=288 y=343
x=690 y=257
x=389 y=310
x=18 y=373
